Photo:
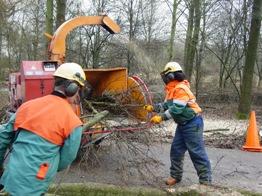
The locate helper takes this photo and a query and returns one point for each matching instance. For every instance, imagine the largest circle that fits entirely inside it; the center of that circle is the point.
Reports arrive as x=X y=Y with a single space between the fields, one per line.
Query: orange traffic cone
x=252 y=138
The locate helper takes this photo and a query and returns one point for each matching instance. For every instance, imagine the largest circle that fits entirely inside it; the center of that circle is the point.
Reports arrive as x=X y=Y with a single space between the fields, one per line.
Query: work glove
x=149 y=108
x=156 y=119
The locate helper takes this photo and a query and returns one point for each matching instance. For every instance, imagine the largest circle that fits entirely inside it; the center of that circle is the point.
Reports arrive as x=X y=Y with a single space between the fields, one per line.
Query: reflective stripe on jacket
x=179 y=102
x=180 y=93
x=50 y=117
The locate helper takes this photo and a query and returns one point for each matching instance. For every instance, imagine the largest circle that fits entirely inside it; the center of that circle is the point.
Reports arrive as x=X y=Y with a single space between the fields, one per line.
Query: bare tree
x=173 y=30
x=192 y=36
x=227 y=41
x=259 y=73
x=258 y=70
x=246 y=87
x=150 y=22
x=60 y=12
x=129 y=14
x=88 y=45
x=200 y=51
x=49 y=19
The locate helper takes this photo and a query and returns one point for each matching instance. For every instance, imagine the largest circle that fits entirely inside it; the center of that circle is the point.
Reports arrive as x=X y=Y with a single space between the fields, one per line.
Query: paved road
x=231 y=168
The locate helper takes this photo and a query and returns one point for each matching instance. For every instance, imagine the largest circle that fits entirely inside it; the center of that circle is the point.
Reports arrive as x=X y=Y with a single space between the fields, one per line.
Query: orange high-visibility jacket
x=180 y=93
x=51 y=117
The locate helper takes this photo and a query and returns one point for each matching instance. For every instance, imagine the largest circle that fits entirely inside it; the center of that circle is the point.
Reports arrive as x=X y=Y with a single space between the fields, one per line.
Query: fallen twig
x=215 y=130
x=115 y=104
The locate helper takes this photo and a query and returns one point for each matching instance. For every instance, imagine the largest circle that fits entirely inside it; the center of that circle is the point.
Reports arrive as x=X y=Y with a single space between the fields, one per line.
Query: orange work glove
x=156 y=119
x=149 y=108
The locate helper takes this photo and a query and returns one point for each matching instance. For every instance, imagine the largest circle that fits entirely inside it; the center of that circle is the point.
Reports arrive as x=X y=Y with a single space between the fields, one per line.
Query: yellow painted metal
x=136 y=98
x=110 y=25
x=57 y=46
x=126 y=90
x=113 y=80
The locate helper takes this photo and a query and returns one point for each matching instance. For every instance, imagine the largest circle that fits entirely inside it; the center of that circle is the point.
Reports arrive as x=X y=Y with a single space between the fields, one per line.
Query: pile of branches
x=225 y=141
x=132 y=148
x=3 y=115
x=119 y=120
x=105 y=102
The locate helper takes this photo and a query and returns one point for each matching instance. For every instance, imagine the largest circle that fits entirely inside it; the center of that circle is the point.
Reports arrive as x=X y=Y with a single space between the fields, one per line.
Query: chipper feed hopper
x=35 y=77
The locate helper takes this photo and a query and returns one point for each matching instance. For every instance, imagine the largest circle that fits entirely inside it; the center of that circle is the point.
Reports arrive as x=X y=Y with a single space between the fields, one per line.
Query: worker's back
x=41 y=147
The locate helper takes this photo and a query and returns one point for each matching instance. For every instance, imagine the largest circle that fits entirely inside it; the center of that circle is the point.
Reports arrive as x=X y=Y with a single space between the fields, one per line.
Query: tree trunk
x=188 y=42
x=259 y=74
x=1 y=41
x=201 y=50
x=221 y=75
x=2 y=25
x=192 y=36
x=194 y=42
x=173 y=30
x=36 y=38
x=246 y=87
x=97 y=118
x=49 y=20
x=245 y=13
x=97 y=48
x=259 y=84
x=60 y=12
x=130 y=35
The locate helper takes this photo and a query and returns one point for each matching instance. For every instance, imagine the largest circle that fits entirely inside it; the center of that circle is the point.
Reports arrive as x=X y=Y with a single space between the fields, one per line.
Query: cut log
x=97 y=118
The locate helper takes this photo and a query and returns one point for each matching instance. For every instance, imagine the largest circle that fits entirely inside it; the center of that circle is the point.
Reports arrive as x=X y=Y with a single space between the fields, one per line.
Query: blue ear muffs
x=71 y=88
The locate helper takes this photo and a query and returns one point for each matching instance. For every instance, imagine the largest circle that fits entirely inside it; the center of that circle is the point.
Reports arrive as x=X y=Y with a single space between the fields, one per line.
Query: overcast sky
x=165 y=15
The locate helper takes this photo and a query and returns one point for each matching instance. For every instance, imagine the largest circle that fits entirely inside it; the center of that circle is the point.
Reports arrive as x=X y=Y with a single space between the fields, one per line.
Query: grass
x=93 y=189
x=241 y=116
x=96 y=189
x=249 y=193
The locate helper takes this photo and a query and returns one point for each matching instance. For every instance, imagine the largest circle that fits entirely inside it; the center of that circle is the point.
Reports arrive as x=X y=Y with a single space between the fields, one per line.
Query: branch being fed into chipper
x=97 y=118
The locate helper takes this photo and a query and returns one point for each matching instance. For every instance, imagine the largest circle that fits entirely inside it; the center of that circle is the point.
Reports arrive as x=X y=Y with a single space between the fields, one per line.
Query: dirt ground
x=223 y=130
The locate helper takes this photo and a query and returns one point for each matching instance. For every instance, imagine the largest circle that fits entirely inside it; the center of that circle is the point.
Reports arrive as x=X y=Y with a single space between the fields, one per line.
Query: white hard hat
x=172 y=67
x=71 y=71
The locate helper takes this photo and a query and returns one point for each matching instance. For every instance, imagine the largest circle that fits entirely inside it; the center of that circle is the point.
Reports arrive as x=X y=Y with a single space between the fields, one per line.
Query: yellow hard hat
x=71 y=71
x=172 y=67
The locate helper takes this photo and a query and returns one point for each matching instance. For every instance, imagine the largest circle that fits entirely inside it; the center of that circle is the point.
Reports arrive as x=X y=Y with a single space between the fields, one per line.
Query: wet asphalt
x=110 y=165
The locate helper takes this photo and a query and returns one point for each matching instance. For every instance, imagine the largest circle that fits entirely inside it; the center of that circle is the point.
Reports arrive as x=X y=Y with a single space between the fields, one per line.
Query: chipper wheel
x=138 y=96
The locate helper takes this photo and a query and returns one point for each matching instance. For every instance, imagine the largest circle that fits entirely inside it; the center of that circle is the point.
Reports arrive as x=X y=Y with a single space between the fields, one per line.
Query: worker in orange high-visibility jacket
x=180 y=105
x=45 y=134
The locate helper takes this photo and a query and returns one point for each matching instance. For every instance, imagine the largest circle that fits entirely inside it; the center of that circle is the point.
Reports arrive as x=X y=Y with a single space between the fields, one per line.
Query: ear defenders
x=71 y=88
x=168 y=77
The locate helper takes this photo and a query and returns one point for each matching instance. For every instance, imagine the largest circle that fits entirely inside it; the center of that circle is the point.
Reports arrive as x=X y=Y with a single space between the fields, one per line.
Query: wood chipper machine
x=35 y=78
